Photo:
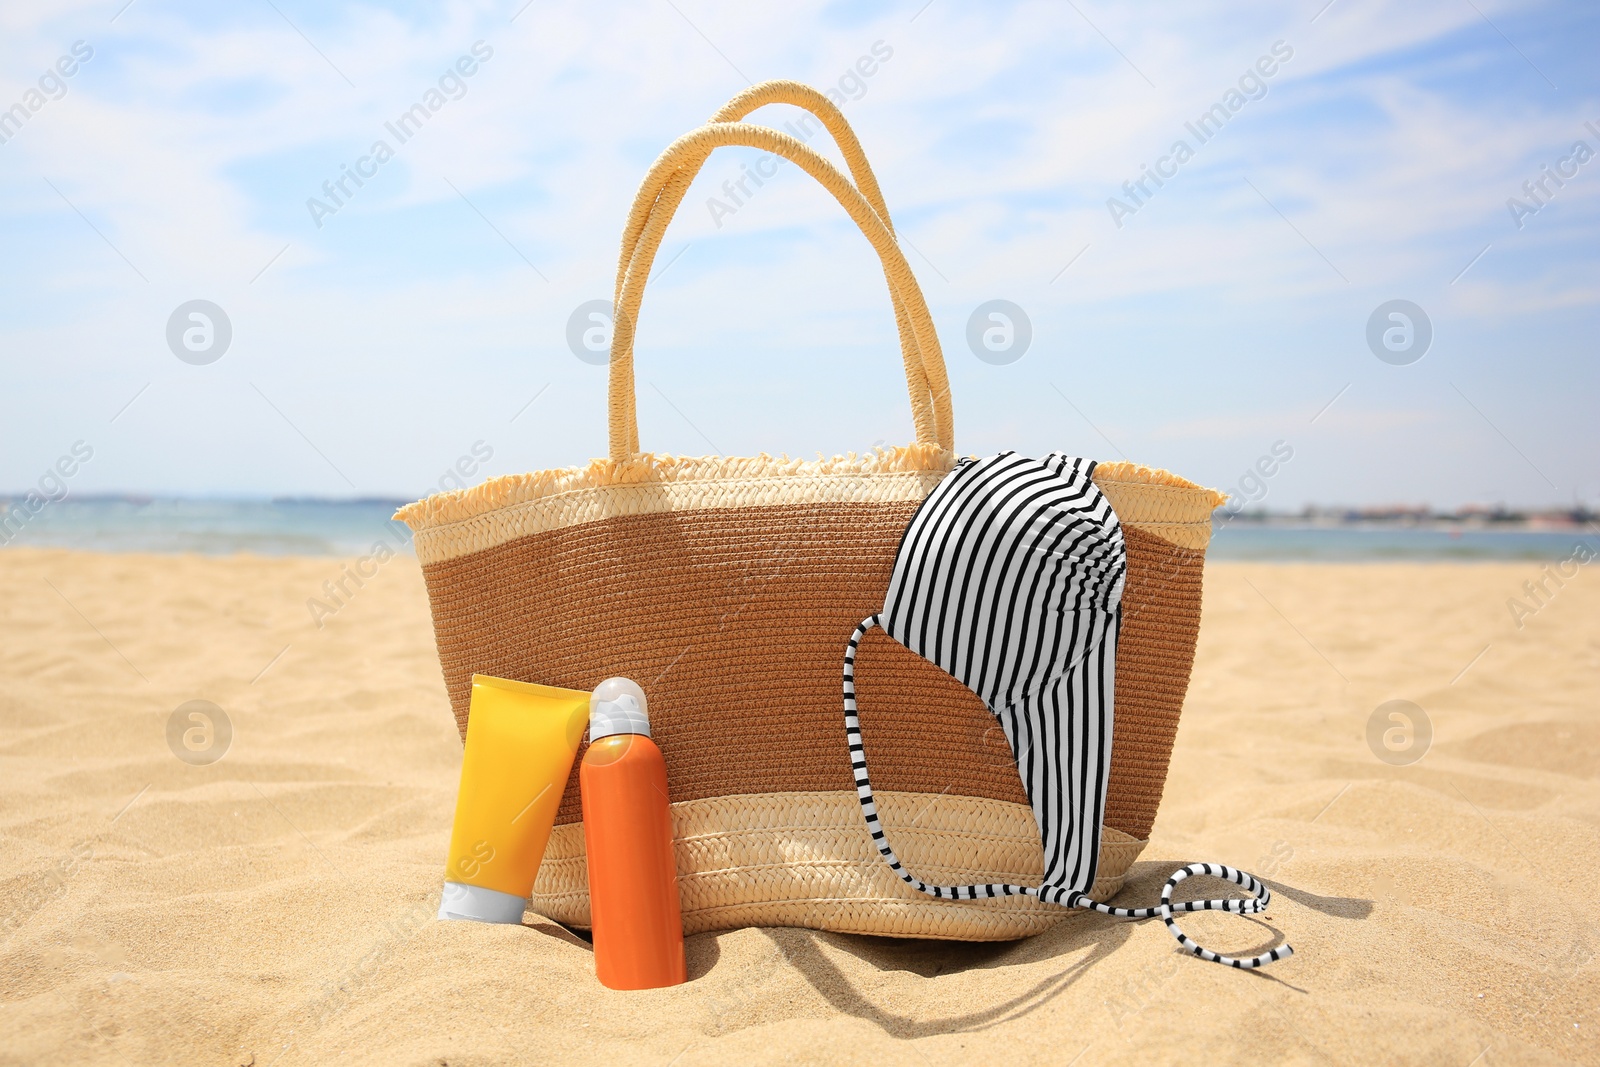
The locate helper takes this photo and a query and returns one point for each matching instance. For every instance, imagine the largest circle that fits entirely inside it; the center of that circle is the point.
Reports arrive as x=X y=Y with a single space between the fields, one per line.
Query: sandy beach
x=275 y=906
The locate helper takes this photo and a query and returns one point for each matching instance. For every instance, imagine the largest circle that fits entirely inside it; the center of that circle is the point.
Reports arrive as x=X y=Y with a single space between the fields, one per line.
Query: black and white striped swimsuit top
x=1009 y=577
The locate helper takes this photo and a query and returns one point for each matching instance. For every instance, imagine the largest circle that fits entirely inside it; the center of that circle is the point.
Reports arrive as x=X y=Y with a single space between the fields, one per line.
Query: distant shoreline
x=1472 y=517
x=350 y=528
x=1578 y=520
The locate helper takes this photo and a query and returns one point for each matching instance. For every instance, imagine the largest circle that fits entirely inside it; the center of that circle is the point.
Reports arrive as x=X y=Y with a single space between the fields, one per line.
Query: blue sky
x=1227 y=313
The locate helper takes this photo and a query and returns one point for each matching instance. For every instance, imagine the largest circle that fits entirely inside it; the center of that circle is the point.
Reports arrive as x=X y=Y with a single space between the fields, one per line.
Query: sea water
x=210 y=527
x=298 y=527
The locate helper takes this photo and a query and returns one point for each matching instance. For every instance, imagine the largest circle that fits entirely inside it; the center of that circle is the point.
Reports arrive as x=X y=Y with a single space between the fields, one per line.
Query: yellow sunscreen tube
x=521 y=740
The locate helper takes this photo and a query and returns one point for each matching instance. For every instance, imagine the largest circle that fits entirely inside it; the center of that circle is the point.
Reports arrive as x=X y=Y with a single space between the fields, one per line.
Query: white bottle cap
x=461 y=901
x=618 y=706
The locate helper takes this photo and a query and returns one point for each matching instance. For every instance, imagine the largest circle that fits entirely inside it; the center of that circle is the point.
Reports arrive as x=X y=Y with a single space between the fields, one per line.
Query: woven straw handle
x=671 y=196
x=662 y=191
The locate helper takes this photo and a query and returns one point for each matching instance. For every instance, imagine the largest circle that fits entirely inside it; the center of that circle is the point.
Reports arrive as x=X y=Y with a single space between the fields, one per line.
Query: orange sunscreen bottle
x=521 y=740
x=627 y=832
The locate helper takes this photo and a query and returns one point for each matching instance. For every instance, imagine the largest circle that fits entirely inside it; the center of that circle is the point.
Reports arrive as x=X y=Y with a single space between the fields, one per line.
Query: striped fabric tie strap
x=1009 y=577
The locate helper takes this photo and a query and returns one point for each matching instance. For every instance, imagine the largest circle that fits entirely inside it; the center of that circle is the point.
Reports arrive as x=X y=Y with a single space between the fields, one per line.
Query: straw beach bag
x=727 y=586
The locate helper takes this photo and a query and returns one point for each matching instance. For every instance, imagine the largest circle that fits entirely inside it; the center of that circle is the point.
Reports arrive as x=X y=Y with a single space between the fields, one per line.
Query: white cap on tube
x=618 y=706
x=461 y=901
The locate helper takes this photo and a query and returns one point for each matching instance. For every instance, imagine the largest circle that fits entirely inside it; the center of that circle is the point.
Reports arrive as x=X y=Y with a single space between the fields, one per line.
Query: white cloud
x=192 y=143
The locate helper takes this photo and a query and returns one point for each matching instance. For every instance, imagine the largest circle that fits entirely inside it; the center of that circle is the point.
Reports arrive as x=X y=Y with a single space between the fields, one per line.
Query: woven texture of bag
x=727 y=588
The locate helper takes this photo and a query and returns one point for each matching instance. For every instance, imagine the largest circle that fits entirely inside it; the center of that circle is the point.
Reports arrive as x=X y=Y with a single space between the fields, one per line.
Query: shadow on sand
x=1101 y=935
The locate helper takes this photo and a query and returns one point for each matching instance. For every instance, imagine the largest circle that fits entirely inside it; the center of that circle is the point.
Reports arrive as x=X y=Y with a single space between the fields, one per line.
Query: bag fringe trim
x=660 y=469
x=1124 y=471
